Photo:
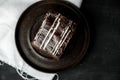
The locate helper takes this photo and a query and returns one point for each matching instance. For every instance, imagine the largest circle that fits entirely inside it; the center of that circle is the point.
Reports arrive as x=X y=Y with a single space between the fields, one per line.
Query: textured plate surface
x=28 y=25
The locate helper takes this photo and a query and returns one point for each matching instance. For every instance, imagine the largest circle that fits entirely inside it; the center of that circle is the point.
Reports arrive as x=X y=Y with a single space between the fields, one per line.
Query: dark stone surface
x=102 y=61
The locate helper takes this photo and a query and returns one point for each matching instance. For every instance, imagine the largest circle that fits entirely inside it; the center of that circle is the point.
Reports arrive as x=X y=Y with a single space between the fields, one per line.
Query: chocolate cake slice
x=54 y=34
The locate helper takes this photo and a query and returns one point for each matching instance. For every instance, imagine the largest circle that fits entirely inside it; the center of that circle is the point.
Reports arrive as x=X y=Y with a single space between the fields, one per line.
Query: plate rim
x=62 y=2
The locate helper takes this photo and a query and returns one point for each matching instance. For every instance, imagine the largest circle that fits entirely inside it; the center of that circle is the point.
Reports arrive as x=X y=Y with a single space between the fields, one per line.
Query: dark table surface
x=101 y=61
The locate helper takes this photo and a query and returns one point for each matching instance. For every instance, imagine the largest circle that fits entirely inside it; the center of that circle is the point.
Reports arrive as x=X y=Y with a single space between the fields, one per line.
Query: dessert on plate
x=54 y=34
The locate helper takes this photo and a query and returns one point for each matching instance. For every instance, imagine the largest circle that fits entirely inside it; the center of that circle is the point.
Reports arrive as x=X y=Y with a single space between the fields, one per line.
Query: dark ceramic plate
x=28 y=25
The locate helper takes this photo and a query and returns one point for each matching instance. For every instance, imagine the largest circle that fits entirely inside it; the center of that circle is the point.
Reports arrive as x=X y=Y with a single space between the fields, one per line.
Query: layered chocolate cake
x=54 y=34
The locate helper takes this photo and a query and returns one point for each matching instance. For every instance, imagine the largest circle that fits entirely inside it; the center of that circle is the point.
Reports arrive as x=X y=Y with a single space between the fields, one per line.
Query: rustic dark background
x=102 y=61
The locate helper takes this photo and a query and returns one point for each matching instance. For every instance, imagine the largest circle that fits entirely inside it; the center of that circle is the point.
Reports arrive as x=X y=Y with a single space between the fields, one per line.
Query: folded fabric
x=10 y=11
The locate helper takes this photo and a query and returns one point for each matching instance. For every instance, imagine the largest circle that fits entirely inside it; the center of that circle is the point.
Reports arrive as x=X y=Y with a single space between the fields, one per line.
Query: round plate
x=27 y=26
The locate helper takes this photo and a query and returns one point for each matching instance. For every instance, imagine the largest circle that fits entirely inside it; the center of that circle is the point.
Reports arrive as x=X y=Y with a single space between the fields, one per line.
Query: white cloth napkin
x=10 y=11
